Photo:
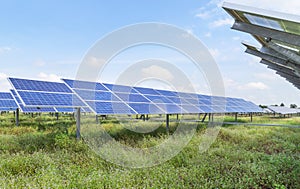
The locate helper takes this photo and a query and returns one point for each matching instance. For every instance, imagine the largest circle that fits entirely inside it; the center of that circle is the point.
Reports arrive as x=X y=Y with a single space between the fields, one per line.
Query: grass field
x=44 y=153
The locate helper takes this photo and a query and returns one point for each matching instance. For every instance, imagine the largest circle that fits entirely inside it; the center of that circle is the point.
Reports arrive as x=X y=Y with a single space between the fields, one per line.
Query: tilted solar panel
x=140 y=100
x=30 y=109
x=7 y=102
x=283 y=110
x=44 y=86
x=74 y=84
x=45 y=94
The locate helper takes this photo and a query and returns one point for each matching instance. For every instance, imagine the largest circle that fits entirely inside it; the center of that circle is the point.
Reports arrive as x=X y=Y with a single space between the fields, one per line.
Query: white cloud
x=204 y=15
x=254 y=86
x=49 y=77
x=5 y=49
x=266 y=76
x=222 y=22
x=208 y=34
x=39 y=63
x=155 y=71
x=4 y=84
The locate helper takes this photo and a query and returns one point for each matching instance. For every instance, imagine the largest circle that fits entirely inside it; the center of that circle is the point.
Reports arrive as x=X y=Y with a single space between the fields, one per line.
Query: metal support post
x=78 y=123
x=17 y=116
x=167 y=122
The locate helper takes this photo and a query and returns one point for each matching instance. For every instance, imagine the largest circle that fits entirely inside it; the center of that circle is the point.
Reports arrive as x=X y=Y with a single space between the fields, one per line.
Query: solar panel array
x=7 y=102
x=118 y=99
x=45 y=94
x=30 y=109
x=283 y=110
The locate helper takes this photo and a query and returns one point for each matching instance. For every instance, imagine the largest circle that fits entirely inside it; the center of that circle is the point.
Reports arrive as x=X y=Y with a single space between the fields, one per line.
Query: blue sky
x=48 y=39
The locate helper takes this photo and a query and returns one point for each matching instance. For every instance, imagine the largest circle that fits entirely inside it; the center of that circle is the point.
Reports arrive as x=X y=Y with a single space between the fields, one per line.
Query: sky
x=47 y=40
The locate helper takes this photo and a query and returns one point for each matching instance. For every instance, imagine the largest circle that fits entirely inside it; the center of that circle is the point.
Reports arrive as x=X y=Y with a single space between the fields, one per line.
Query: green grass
x=43 y=153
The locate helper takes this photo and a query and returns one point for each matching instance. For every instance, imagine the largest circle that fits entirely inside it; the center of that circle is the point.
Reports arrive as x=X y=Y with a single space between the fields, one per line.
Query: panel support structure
x=204 y=117
x=78 y=123
x=266 y=32
x=17 y=116
x=167 y=122
x=235 y=117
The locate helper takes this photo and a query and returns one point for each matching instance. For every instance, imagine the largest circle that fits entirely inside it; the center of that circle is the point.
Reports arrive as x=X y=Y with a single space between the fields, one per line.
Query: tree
x=263 y=106
x=282 y=104
x=293 y=106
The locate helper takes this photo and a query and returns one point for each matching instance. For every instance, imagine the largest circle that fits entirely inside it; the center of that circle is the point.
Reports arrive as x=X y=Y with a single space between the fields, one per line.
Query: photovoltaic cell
x=30 y=109
x=106 y=108
x=74 y=84
x=44 y=86
x=140 y=100
x=45 y=94
x=7 y=102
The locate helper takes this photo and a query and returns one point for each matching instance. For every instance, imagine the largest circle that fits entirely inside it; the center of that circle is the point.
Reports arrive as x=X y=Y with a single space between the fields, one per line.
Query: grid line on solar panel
x=143 y=90
x=87 y=85
x=175 y=102
x=96 y=95
x=119 y=88
x=146 y=108
x=106 y=108
x=30 y=109
x=43 y=86
x=171 y=108
x=5 y=95
x=167 y=93
x=8 y=103
x=50 y=99
x=135 y=97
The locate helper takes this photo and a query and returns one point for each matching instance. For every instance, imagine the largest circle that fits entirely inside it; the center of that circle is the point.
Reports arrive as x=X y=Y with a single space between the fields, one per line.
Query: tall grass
x=46 y=154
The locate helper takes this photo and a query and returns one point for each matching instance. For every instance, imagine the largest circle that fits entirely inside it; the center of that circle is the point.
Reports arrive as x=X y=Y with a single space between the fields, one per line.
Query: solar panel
x=43 y=99
x=106 y=108
x=166 y=93
x=143 y=90
x=29 y=109
x=7 y=102
x=74 y=84
x=119 y=88
x=146 y=108
x=139 y=100
x=33 y=85
x=283 y=110
x=45 y=94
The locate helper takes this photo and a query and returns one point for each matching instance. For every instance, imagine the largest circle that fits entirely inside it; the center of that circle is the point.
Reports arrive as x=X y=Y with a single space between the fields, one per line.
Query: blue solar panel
x=45 y=94
x=139 y=100
x=146 y=91
x=44 y=86
x=96 y=95
x=171 y=108
x=146 y=108
x=7 y=102
x=191 y=108
x=167 y=93
x=158 y=99
x=50 y=99
x=5 y=95
x=30 y=109
x=74 y=84
x=106 y=108
x=119 y=88
x=132 y=97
